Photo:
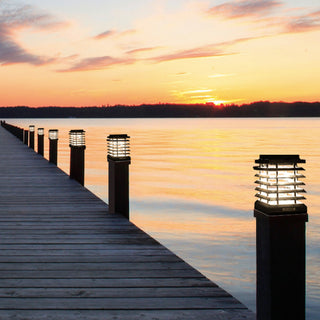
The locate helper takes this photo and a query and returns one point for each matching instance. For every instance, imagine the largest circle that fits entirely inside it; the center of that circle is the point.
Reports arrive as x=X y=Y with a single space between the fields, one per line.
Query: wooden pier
x=63 y=256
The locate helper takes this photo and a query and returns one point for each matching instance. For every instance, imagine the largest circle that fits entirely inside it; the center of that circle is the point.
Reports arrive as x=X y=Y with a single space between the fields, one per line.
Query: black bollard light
x=41 y=141
x=280 y=238
x=77 y=145
x=31 y=136
x=26 y=137
x=119 y=160
x=53 y=146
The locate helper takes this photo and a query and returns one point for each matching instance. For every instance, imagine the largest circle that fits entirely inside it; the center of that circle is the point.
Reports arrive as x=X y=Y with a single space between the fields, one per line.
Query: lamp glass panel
x=118 y=147
x=279 y=184
x=77 y=138
x=53 y=134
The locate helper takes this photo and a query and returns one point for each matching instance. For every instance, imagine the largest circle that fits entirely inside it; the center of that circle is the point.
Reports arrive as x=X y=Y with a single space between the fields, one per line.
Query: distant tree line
x=255 y=109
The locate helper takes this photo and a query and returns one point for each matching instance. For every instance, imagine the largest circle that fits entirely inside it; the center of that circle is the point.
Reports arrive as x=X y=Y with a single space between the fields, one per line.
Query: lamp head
x=53 y=134
x=279 y=188
x=119 y=146
x=77 y=138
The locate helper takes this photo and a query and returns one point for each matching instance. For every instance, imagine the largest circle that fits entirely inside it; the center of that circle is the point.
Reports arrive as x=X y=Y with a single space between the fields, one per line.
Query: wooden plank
x=93 y=266
x=102 y=274
x=10 y=283
x=204 y=314
x=153 y=292
x=89 y=258
x=145 y=303
x=83 y=253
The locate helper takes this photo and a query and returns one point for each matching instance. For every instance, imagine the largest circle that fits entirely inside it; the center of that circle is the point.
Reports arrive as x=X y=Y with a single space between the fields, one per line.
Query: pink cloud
x=139 y=50
x=203 y=52
x=105 y=34
x=110 y=33
x=97 y=63
x=14 y=18
x=305 y=23
x=104 y=62
x=212 y=50
x=244 y=8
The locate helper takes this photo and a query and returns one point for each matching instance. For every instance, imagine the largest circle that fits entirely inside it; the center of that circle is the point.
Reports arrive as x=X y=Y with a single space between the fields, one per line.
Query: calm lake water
x=192 y=186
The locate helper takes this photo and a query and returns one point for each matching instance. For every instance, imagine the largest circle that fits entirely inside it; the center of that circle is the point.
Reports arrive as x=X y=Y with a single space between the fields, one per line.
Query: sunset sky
x=101 y=52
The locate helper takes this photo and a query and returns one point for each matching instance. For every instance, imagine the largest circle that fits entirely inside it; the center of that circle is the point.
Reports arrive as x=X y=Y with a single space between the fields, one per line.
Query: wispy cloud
x=113 y=33
x=196 y=91
x=11 y=53
x=97 y=63
x=105 y=34
x=263 y=10
x=104 y=62
x=139 y=50
x=14 y=18
x=304 y=23
x=244 y=8
x=211 y=50
x=199 y=52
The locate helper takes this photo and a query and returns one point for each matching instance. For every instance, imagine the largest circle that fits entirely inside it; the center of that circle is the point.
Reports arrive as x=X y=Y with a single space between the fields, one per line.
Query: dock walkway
x=62 y=256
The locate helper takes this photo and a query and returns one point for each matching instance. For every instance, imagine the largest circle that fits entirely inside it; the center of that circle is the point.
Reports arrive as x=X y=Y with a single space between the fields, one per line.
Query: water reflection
x=192 y=186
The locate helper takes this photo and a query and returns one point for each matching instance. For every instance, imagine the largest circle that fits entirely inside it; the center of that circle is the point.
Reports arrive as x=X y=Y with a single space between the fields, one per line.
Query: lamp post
x=31 y=137
x=26 y=137
x=119 y=160
x=21 y=134
x=53 y=146
x=280 y=238
x=41 y=141
x=77 y=145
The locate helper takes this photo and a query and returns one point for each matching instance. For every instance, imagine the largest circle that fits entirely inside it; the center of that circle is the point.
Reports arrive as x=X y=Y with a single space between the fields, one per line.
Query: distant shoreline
x=261 y=109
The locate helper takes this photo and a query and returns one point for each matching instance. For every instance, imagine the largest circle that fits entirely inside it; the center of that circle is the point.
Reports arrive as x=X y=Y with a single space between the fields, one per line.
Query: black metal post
x=21 y=134
x=53 y=151
x=41 y=141
x=77 y=164
x=280 y=240
x=77 y=158
x=26 y=137
x=31 y=136
x=280 y=266
x=53 y=146
x=119 y=186
x=31 y=143
x=119 y=161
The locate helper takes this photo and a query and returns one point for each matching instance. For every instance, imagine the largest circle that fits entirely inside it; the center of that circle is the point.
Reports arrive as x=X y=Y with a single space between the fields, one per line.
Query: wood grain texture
x=63 y=256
